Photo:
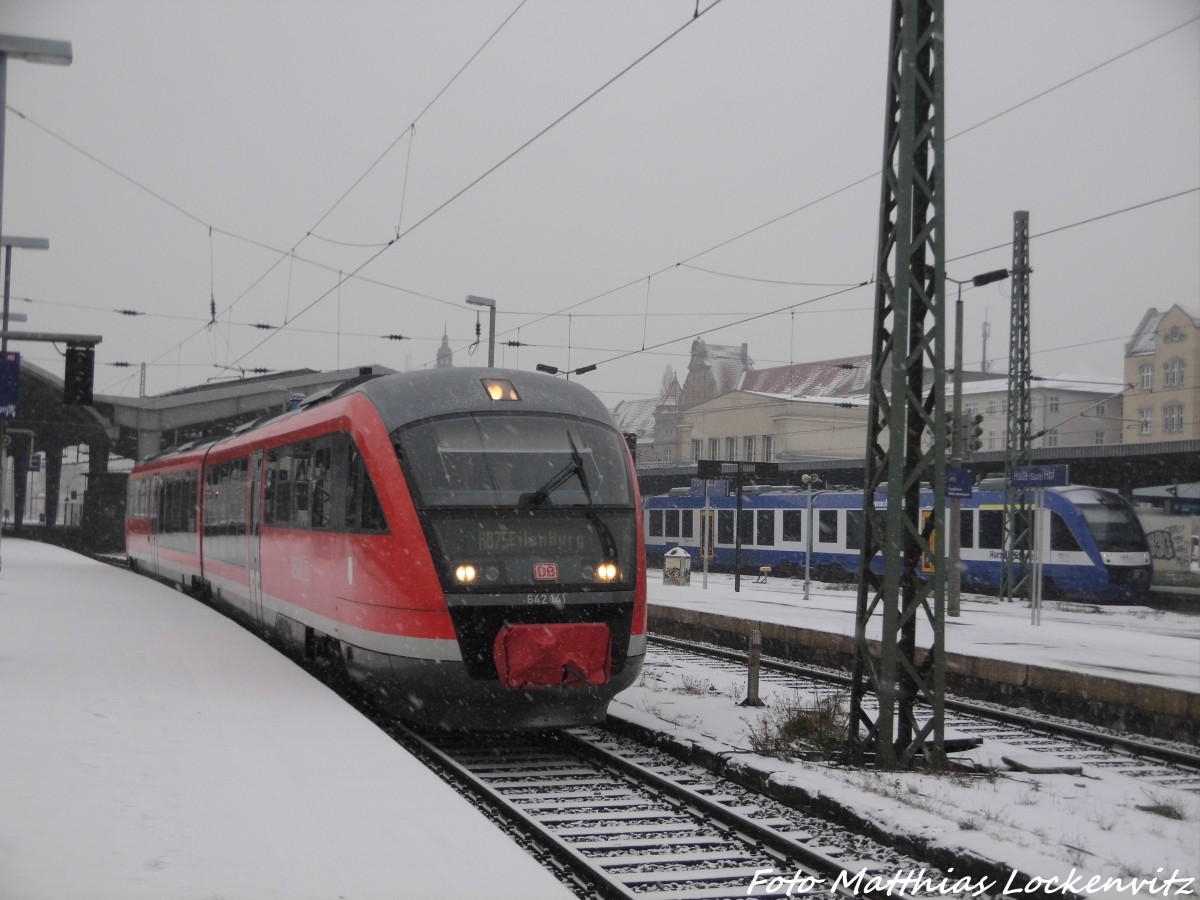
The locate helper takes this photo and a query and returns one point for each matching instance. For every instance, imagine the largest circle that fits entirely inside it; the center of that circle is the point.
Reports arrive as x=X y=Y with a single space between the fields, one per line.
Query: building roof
x=728 y=364
x=1143 y=337
x=636 y=416
x=826 y=378
x=1084 y=384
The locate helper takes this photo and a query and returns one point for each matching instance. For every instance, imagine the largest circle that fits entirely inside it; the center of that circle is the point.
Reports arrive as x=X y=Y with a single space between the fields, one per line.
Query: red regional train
x=467 y=542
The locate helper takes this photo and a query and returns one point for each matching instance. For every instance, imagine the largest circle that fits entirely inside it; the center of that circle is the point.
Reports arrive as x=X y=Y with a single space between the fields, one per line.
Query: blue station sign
x=959 y=483
x=1056 y=475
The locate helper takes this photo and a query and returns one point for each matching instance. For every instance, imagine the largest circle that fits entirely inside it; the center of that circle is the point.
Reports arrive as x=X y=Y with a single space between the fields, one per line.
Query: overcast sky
x=245 y=153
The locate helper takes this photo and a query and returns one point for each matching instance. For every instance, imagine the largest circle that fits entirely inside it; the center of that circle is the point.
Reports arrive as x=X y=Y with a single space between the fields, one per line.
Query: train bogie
x=429 y=533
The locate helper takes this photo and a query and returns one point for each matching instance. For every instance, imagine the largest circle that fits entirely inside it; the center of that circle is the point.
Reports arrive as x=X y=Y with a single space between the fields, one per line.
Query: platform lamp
x=808 y=481
x=491 y=307
x=555 y=370
x=957 y=428
x=35 y=50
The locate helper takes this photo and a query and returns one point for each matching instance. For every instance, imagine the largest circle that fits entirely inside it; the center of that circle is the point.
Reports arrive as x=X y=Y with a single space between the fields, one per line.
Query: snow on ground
x=151 y=748
x=1044 y=825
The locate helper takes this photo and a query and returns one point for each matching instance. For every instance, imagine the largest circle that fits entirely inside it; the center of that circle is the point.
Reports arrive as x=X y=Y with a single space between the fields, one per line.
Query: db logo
x=545 y=571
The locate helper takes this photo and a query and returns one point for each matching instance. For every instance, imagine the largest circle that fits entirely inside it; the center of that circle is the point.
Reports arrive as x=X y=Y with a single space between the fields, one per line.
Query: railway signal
x=974 y=436
x=77 y=379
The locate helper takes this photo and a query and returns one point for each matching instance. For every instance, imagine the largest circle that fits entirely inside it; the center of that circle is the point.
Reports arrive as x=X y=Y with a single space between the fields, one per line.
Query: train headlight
x=606 y=572
x=466 y=573
x=500 y=389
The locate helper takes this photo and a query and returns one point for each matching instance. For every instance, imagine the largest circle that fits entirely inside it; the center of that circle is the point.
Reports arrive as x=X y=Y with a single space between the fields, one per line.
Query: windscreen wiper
x=573 y=468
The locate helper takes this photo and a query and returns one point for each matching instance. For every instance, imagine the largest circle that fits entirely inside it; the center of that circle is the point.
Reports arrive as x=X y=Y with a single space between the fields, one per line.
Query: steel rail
x=1179 y=757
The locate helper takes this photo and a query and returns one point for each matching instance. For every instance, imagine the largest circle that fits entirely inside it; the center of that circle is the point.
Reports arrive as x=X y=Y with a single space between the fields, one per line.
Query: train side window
x=991 y=529
x=746 y=527
x=320 y=483
x=766 y=528
x=793 y=525
x=966 y=528
x=656 y=523
x=724 y=526
x=671 y=523
x=279 y=487
x=687 y=523
x=854 y=529
x=827 y=526
x=1061 y=537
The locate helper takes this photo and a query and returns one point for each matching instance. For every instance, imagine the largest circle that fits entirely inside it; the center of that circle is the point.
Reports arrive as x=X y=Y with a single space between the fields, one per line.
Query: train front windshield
x=519 y=501
x=1112 y=522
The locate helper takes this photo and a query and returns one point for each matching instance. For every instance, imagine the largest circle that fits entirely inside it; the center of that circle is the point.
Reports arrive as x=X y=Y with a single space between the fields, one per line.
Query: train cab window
x=827 y=526
x=363 y=512
x=765 y=535
x=793 y=525
x=655 y=525
x=514 y=461
x=1060 y=535
x=991 y=529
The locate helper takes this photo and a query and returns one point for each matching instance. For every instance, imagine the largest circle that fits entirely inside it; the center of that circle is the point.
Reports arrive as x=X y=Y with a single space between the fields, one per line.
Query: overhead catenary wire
x=687 y=262
x=505 y=160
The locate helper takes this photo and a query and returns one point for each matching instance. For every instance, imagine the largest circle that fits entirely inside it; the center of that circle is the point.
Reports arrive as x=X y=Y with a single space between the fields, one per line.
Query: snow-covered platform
x=1141 y=665
x=152 y=748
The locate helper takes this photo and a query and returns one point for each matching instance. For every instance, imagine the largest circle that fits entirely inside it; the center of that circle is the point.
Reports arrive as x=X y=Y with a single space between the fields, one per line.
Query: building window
x=695 y=450
x=1145 y=421
x=991 y=440
x=1173 y=418
x=971 y=409
x=1146 y=377
x=768 y=447
x=1173 y=373
x=714 y=448
x=666 y=453
x=749 y=448
x=731 y=448
x=1099 y=437
x=1051 y=438
x=991 y=407
x=1052 y=403
x=1102 y=408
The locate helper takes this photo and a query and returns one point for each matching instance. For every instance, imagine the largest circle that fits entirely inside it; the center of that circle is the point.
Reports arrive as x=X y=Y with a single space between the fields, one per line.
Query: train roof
x=409 y=397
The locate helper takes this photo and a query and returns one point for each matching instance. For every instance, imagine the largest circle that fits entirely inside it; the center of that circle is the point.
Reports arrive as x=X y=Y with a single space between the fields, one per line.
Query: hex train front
x=466 y=542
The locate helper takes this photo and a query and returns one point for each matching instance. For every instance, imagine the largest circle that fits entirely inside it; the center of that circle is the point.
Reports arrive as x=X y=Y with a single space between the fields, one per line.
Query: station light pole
x=35 y=50
x=957 y=428
x=491 y=307
x=808 y=481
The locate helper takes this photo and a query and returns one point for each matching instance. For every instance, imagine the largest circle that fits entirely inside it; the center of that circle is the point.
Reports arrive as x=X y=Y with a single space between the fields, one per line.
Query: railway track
x=1154 y=762
x=619 y=821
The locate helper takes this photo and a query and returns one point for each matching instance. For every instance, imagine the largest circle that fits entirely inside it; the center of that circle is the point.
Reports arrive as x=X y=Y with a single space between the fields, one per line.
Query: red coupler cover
x=567 y=654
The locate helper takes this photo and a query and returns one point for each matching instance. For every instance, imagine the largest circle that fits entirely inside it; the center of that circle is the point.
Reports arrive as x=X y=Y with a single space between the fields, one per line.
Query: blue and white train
x=1092 y=546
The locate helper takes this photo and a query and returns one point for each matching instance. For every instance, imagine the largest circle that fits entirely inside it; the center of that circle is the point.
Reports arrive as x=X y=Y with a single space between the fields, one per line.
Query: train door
x=152 y=521
x=254 y=533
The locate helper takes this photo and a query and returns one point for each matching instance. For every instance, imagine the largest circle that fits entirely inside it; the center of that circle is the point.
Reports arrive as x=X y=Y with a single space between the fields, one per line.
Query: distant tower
x=445 y=356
